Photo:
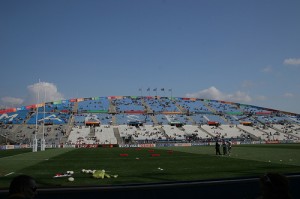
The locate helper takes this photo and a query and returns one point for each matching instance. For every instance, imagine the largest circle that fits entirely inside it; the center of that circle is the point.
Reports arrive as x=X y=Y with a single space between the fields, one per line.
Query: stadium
x=155 y=146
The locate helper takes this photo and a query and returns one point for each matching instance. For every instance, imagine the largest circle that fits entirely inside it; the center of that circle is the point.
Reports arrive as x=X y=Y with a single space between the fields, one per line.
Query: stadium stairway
x=191 y=119
x=209 y=108
x=208 y=133
x=113 y=120
x=180 y=108
x=117 y=135
x=153 y=118
x=255 y=138
x=112 y=107
x=148 y=109
x=92 y=132
x=75 y=107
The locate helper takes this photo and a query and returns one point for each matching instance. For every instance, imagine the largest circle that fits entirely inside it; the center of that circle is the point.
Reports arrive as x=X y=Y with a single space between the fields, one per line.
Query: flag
x=162 y=89
x=155 y=89
x=148 y=89
x=170 y=89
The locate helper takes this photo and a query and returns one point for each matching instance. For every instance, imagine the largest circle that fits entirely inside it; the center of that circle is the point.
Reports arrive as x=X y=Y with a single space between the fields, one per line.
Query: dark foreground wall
x=240 y=189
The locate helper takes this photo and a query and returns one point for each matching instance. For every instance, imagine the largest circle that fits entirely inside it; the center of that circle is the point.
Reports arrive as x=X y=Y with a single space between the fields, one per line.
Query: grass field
x=184 y=164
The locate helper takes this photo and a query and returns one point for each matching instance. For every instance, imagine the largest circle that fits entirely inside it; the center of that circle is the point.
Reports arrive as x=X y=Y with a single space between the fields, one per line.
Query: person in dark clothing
x=22 y=187
x=224 y=146
x=229 y=147
x=274 y=186
x=217 y=147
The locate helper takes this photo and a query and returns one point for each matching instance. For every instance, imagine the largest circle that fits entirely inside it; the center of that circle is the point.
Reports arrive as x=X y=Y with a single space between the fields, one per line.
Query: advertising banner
x=86 y=146
x=200 y=144
x=129 y=145
x=272 y=142
x=165 y=144
x=10 y=146
x=183 y=144
x=146 y=145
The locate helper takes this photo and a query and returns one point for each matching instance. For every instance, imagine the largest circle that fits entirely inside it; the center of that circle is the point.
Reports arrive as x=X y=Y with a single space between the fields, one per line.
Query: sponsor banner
x=182 y=144
x=69 y=146
x=272 y=142
x=165 y=144
x=10 y=146
x=86 y=146
x=73 y=100
x=2 y=147
x=57 y=102
x=129 y=145
x=246 y=142
x=146 y=145
x=17 y=146
x=200 y=144
x=30 y=106
x=256 y=142
x=286 y=141
x=8 y=110
x=95 y=98
x=80 y=99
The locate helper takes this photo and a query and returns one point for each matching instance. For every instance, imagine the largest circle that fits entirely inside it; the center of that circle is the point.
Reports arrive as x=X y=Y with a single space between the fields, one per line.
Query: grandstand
x=132 y=120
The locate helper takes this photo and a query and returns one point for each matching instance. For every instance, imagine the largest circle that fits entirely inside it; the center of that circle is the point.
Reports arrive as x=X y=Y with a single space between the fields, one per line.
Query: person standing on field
x=217 y=147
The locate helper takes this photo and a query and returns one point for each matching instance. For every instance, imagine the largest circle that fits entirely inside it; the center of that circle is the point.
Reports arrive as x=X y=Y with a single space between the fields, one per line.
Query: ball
x=71 y=179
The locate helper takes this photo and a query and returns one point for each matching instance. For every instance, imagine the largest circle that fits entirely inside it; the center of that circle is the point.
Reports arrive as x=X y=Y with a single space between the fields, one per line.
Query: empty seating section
x=250 y=109
x=105 y=135
x=60 y=106
x=193 y=106
x=161 y=119
x=199 y=118
x=49 y=118
x=232 y=119
x=161 y=105
x=183 y=119
x=80 y=135
x=103 y=118
x=124 y=119
x=192 y=129
x=14 y=118
x=174 y=133
x=223 y=107
x=229 y=132
x=215 y=118
x=89 y=105
x=128 y=104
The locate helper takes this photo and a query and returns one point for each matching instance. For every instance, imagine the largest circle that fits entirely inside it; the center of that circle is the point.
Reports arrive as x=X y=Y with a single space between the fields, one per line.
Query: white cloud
x=43 y=89
x=48 y=92
x=267 y=69
x=288 y=95
x=214 y=93
x=11 y=101
x=292 y=61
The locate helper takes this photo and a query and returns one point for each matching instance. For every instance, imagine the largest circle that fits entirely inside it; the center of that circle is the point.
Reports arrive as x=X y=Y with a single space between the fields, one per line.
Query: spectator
x=274 y=186
x=22 y=187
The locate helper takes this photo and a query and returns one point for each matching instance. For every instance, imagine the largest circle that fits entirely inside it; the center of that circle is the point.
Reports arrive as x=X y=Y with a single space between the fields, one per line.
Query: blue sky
x=237 y=50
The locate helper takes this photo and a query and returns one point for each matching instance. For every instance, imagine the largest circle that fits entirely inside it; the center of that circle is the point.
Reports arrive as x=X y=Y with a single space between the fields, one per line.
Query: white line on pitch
x=9 y=173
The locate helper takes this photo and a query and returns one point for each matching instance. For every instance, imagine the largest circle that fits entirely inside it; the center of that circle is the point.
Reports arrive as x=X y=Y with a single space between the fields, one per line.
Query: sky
x=245 y=51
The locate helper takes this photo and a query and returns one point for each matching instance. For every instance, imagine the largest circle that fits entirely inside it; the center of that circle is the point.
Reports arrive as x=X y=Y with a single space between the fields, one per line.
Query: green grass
x=184 y=164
